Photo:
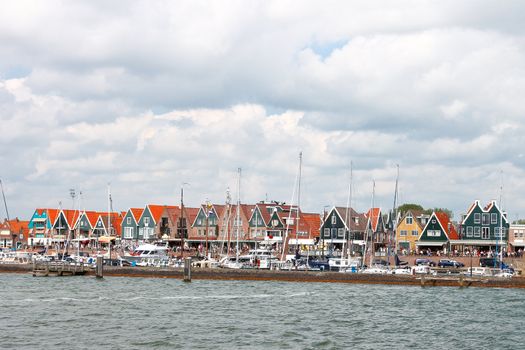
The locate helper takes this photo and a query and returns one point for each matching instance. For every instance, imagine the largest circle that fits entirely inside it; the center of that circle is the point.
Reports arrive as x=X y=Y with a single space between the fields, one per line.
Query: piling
x=187 y=269
x=100 y=266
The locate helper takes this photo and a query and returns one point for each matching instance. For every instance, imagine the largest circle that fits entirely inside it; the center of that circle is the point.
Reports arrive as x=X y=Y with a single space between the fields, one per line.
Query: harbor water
x=153 y=313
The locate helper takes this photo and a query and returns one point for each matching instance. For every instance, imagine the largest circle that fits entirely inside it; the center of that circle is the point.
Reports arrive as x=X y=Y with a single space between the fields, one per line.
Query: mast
x=227 y=223
x=298 y=200
x=371 y=229
x=500 y=224
x=7 y=214
x=238 y=213
x=394 y=219
x=285 y=238
x=109 y=219
x=348 y=222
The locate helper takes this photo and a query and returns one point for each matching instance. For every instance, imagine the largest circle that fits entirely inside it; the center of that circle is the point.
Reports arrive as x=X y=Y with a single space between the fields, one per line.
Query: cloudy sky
x=146 y=95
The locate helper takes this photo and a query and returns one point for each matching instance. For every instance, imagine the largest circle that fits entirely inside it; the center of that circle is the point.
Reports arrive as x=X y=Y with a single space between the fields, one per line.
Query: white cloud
x=150 y=95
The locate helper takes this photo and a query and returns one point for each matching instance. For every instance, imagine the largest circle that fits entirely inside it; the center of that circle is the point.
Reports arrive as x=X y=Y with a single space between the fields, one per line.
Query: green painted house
x=484 y=227
x=438 y=234
x=130 y=224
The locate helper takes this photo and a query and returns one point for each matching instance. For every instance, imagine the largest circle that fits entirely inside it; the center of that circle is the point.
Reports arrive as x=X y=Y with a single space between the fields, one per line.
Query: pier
x=57 y=268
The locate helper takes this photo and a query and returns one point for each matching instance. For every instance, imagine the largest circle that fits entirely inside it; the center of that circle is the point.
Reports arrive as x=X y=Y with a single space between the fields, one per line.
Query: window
x=496 y=232
x=493 y=218
x=433 y=233
x=485 y=220
x=403 y=233
x=340 y=232
x=334 y=219
x=327 y=232
x=275 y=222
x=477 y=218
x=485 y=233
x=409 y=219
x=470 y=231
x=146 y=221
x=415 y=233
x=128 y=221
x=477 y=231
x=334 y=233
x=128 y=232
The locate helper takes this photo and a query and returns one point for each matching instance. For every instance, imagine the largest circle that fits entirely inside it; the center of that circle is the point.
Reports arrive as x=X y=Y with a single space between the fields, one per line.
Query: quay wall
x=288 y=276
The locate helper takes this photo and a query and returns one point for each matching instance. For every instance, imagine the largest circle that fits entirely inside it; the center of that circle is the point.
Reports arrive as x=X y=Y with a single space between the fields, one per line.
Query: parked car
x=449 y=263
x=424 y=261
x=494 y=262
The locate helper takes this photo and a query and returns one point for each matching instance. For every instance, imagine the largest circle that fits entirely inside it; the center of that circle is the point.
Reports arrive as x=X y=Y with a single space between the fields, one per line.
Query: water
x=138 y=313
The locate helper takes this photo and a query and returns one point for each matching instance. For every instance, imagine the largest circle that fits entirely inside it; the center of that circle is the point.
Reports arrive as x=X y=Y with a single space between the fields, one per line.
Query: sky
x=149 y=95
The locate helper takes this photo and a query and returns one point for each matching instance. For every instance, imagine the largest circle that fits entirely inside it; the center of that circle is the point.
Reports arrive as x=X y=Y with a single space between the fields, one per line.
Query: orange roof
x=16 y=225
x=92 y=217
x=373 y=214
x=137 y=213
x=52 y=215
x=314 y=221
x=71 y=216
x=444 y=220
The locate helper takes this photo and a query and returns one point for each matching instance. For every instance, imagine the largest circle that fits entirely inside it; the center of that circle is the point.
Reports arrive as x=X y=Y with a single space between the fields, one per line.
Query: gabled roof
x=263 y=209
x=15 y=226
x=446 y=225
x=373 y=216
x=353 y=216
x=314 y=222
x=416 y=215
x=136 y=213
x=191 y=214
x=92 y=217
x=157 y=210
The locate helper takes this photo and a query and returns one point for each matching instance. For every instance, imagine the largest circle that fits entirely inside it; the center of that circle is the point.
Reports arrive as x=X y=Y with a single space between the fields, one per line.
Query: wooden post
x=187 y=269
x=100 y=266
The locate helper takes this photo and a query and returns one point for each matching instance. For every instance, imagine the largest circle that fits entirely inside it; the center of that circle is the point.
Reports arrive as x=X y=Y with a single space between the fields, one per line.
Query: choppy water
x=138 y=313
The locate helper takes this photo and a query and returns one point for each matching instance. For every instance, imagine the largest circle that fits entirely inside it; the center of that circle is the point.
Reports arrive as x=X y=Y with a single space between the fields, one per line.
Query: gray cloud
x=146 y=96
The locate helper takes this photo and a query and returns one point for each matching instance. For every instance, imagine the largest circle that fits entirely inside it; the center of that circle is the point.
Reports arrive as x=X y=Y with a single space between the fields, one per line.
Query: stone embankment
x=296 y=276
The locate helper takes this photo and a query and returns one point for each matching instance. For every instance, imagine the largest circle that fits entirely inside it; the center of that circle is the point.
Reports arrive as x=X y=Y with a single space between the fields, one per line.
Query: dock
x=57 y=268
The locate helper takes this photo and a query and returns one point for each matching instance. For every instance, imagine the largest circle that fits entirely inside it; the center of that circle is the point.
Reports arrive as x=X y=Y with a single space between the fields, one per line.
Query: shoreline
x=293 y=276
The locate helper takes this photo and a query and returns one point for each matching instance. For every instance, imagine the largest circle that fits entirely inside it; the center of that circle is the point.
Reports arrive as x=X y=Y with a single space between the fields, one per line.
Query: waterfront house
x=377 y=234
x=439 y=234
x=129 y=225
x=258 y=222
x=107 y=224
x=40 y=226
x=153 y=220
x=85 y=224
x=409 y=228
x=516 y=238
x=484 y=228
x=339 y=221
x=205 y=226
x=14 y=233
x=64 y=224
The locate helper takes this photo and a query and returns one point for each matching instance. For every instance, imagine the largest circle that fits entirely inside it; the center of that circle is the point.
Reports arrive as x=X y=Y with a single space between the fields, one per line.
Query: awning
x=478 y=242
x=517 y=244
x=430 y=244
x=106 y=239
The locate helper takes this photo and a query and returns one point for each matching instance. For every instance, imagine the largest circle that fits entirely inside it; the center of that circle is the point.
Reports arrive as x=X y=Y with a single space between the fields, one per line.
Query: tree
x=519 y=222
x=443 y=210
x=409 y=206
